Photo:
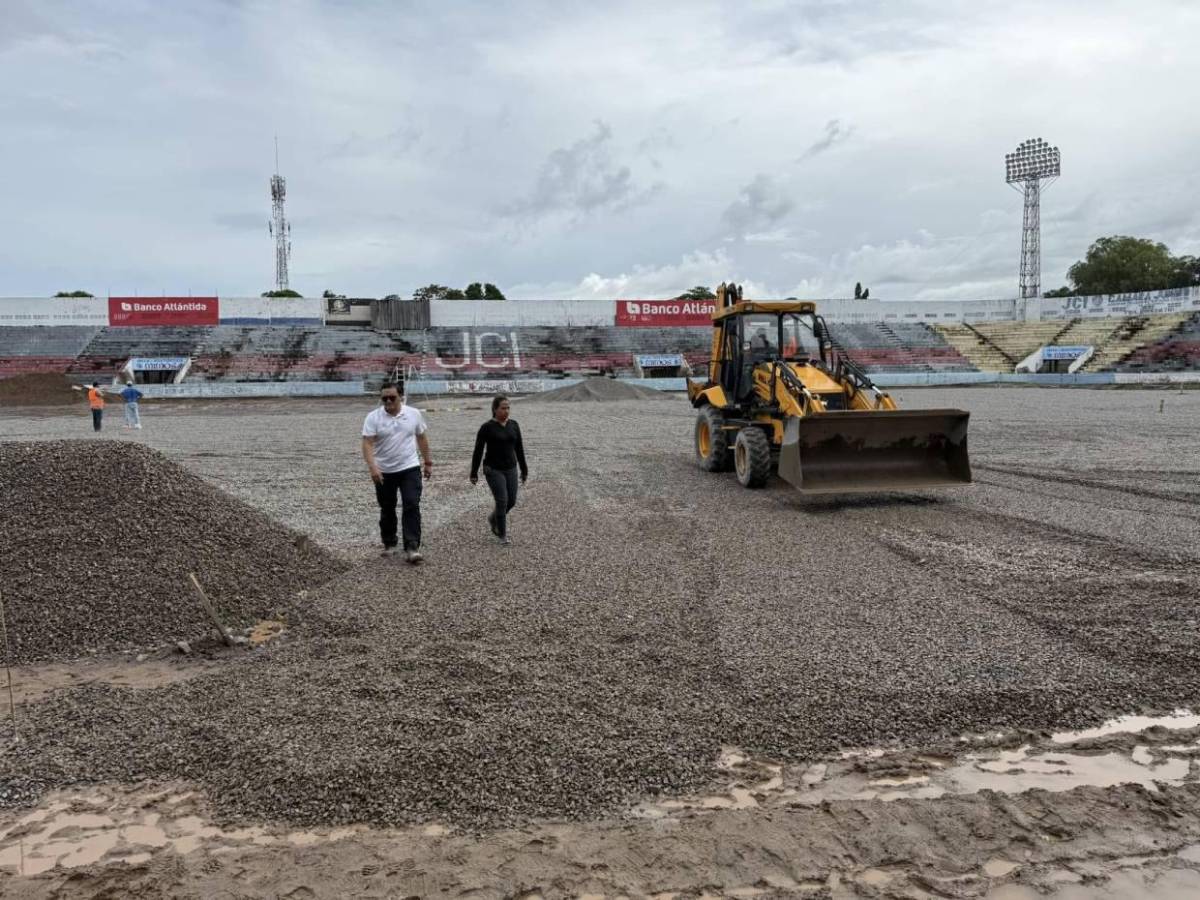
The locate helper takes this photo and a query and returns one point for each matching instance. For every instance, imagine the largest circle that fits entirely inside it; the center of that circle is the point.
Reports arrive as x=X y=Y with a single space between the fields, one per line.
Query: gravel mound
x=38 y=389
x=100 y=537
x=598 y=389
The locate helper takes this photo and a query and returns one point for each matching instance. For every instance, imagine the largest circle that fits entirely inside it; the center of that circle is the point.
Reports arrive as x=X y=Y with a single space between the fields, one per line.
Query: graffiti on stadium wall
x=1142 y=303
x=163 y=311
x=494 y=386
x=485 y=350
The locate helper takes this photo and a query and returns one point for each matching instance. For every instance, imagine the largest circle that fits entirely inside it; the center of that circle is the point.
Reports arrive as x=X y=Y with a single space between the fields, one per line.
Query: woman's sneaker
x=413 y=556
x=506 y=540
x=389 y=551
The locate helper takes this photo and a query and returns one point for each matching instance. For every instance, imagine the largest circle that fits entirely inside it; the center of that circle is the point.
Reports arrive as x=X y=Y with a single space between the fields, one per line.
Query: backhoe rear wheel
x=712 y=441
x=752 y=457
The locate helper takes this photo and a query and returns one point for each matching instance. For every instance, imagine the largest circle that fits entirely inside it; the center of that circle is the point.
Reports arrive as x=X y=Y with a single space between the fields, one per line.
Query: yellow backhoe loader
x=780 y=398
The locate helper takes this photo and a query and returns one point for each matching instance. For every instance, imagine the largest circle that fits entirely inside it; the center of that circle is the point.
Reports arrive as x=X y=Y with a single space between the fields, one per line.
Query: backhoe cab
x=779 y=397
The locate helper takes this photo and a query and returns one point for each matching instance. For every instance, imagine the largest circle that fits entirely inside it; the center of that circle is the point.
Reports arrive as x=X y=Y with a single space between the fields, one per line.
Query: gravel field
x=649 y=613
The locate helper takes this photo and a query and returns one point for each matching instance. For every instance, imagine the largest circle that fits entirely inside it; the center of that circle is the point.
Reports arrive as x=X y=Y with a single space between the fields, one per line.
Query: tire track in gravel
x=1184 y=497
x=1130 y=606
x=1067 y=498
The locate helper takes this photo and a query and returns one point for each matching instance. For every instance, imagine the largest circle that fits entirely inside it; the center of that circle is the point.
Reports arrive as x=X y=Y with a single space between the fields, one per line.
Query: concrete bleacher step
x=1131 y=334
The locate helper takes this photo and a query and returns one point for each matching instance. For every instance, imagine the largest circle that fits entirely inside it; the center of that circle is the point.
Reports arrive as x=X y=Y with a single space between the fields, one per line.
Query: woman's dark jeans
x=503 y=483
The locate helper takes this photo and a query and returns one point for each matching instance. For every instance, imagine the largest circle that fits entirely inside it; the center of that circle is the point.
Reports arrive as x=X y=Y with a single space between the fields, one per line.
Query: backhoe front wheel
x=752 y=457
x=712 y=441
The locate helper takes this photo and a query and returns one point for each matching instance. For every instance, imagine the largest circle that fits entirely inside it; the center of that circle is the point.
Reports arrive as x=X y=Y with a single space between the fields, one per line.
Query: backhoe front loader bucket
x=876 y=450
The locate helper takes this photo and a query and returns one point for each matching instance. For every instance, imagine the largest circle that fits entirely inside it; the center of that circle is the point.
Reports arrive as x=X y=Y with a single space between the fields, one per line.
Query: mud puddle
x=1143 y=750
x=959 y=820
x=108 y=824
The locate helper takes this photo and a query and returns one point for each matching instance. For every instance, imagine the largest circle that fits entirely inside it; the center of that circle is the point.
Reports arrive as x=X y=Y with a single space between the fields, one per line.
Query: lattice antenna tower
x=1033 y=162
x=279 y=227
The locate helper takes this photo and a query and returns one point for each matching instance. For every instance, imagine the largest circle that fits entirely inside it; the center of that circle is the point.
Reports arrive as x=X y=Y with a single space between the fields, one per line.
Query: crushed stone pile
x=38 y=389
x=599 y=389
x=99 y=538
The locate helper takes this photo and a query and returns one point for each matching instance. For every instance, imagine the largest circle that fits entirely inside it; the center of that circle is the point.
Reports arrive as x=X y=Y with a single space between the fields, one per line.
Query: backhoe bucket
x=877 y=450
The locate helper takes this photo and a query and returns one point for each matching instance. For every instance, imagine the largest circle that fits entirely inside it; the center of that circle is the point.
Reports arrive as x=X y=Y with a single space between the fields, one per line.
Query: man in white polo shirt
x=391 y=436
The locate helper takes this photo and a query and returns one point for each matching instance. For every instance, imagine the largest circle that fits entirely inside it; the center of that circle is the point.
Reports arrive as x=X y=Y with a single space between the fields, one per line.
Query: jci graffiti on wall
x=487 y=350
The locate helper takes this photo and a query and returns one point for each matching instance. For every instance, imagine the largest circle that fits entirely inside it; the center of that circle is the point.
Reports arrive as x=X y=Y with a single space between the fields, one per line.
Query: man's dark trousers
x=408 y=483
x=97 y=415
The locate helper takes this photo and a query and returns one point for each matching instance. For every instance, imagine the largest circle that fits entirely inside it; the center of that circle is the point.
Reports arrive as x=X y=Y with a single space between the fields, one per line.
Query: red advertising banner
x=163 y=311
x=665 y=313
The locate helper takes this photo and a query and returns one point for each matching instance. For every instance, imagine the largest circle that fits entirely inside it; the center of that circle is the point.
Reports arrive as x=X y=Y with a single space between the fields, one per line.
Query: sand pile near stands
x=598 y=389
x=38 y=389
x=100 y=537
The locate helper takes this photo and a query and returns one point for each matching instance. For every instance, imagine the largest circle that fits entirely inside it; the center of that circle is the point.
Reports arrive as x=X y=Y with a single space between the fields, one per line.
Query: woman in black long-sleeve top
x=500 y=436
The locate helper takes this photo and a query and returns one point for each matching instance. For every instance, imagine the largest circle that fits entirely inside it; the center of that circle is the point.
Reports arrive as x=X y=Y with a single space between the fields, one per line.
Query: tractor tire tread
x=720 y=454
x=758 y=457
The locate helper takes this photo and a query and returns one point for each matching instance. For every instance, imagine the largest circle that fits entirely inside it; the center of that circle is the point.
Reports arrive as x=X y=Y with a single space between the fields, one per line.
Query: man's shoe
x=506 y=540
x=492 y=523
x=413 y=556
x=389 y=551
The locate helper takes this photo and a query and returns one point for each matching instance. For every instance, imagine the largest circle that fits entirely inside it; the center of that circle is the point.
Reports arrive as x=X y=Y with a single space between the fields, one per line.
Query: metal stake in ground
x=212 y=613
x=12 y=703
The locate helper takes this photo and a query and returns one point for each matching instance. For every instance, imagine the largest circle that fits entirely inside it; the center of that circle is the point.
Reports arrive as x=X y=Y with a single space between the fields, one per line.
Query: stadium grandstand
x=305 y=341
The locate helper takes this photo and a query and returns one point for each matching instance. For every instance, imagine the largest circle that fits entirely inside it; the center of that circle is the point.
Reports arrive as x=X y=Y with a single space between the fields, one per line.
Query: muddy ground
x=1066 y=571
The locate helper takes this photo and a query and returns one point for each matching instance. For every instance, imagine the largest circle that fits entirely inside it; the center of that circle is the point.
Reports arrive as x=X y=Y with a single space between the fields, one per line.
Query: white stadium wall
x=493 y=313
x=94 y=311
x=26 y=311
x=473 y=313
x=272 y=310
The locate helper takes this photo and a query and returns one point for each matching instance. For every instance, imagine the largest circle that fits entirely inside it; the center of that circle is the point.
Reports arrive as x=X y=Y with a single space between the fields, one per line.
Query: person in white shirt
x=391 y=437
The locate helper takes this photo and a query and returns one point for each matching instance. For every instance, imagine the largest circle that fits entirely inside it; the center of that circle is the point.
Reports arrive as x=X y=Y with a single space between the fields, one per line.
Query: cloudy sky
x=566 y=149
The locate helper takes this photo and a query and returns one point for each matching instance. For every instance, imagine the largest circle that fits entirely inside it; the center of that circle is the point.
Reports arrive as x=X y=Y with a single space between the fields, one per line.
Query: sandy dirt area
x=908 y=690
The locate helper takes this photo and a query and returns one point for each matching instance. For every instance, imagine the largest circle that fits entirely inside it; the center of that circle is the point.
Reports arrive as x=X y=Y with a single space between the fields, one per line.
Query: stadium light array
x=1033 y=162
x=1033 y=158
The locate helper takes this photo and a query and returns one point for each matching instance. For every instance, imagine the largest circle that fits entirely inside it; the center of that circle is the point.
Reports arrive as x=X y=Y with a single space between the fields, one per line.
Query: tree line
x=473 y=291
x=1126 y=265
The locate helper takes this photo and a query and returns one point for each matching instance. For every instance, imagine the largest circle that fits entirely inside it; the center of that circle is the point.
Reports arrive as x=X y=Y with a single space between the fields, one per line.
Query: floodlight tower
x=279 y=226
x=1033 y=161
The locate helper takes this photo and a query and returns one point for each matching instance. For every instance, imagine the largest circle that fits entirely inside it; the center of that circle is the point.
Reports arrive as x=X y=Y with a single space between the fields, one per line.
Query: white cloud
x=696 y=268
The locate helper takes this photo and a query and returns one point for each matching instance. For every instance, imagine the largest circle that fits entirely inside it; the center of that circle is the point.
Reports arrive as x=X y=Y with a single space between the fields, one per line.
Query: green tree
x=858 y=290
x=1120 y=264
x=699 y=292
x=286 y=293
x=438 y=292
x=330 y=295
x=73 y=294
x=1187 y=271
x=474 y=291
x=491 y=292
x=1058 y=292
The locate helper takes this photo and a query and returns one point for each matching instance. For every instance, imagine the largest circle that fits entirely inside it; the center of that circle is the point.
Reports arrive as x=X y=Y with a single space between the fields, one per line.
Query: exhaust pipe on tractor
x=877 y=450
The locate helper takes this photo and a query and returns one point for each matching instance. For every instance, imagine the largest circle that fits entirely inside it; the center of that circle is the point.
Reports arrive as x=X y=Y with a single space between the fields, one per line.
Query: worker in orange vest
x=96 y=402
